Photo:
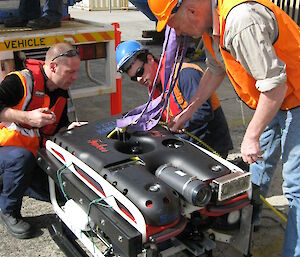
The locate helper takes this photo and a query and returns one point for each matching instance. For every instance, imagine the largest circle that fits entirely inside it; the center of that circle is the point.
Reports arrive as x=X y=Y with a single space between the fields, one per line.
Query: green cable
x=96 y=202
x=59 y=173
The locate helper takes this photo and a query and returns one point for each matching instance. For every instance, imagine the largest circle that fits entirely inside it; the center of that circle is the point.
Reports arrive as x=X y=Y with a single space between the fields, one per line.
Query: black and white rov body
x=143 y=194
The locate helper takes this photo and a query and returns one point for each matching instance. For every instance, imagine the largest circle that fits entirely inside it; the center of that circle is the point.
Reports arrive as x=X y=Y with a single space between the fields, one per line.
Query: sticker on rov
x=98 y=144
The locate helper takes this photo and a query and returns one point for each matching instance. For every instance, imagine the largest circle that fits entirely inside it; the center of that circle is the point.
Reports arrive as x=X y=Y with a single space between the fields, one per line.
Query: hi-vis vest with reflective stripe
x=12 y=134
x=177 y=102
x=287 y=47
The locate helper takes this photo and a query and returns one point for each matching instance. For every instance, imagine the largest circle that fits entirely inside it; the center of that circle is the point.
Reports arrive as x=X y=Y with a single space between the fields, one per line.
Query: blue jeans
x=16 y=167
x=31 y=9
x=282 y=138
x=21 y=176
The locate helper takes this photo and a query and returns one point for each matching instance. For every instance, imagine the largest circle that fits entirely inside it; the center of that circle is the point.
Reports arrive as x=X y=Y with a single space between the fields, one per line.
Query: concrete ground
x=267 y=242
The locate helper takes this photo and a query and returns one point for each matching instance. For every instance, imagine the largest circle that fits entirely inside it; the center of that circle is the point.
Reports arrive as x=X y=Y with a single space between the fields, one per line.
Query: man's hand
x=39 y=117
x=74 y=125
x=77 y=124
x=267 y=107
x=177 y=123
x=250 y=150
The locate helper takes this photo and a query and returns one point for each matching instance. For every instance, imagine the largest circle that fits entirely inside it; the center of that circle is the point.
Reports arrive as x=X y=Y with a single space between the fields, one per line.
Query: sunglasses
x=139 y=73
x=69 y=53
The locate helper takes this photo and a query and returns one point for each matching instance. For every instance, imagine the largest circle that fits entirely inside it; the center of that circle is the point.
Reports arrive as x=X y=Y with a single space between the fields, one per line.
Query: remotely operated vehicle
x=143 y=193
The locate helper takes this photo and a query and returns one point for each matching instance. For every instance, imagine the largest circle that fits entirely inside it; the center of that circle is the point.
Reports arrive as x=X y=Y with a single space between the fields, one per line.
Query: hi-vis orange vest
x=177 y=102
x=287 y=48
x=12 y=134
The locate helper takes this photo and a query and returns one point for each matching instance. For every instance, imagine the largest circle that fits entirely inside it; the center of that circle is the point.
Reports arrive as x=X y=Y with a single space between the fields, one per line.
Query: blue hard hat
x=125 y=53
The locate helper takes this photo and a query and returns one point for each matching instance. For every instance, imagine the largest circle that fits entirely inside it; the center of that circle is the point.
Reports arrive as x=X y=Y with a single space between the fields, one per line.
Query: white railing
x=291 y=7
x=94 y=5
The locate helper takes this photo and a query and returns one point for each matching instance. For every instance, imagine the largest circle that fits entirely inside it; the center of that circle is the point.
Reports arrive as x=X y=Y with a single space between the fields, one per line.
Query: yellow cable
x=138 y=160
x=273 y=209
x=115 y=130
x=162 y=123
x=201 y=142
x=135 y=158
x=112 y=133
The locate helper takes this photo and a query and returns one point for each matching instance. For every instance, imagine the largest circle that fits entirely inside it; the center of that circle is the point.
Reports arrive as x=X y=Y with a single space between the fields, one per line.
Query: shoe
x=15 y=22
x=16 y=226
x=43 y=23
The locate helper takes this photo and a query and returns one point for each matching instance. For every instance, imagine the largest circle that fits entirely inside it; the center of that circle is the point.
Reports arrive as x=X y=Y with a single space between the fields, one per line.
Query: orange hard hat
x=162 y=9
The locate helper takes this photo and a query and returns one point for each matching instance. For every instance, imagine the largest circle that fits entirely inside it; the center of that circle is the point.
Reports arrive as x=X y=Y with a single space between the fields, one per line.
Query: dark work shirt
x=12 y=92
x=206 y=124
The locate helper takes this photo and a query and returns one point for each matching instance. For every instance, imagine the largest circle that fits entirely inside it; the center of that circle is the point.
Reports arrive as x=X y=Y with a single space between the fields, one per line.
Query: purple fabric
x=170 y=53
x=134 y=115
x=157 y=72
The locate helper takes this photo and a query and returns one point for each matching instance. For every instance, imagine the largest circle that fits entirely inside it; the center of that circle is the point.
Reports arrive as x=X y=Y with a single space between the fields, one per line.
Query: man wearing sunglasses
x=208 y=123
x=32 y=107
